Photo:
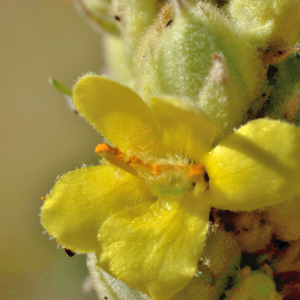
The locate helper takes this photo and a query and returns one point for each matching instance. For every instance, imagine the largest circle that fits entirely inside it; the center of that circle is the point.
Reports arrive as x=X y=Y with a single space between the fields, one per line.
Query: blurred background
x=40 y=138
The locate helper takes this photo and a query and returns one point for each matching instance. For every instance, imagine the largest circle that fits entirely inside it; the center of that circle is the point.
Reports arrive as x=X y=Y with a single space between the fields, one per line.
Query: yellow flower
x=145 y=212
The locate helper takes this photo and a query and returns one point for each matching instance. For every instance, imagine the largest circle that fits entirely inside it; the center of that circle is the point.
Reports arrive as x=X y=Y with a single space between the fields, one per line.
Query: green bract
x=197 y=54
x=132 y=18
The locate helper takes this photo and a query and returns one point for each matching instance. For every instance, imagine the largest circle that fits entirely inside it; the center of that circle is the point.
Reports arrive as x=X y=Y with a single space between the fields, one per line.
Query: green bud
x=177 y=56
x=285 y=218
x=220 y=97
x=221 y=254
x=257 y=285
x=116 y=62
x=250 y=232
x=271 y=24
x=132 y=18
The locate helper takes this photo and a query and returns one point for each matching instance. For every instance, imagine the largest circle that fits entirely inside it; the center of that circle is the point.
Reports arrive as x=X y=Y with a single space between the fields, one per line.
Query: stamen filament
x=135 y=166
x=114 y=156
x=197 y=174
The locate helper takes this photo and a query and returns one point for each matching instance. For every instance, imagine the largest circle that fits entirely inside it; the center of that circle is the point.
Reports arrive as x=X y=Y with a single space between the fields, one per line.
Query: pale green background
x=39 y=139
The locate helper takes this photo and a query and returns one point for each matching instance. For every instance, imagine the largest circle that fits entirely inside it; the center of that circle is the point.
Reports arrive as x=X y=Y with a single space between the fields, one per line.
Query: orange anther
x=134 y=160
x=105 y=148
x=119 y=156
x=102 y=148
x=196 y=170
x=43 y=198
x=156 y=170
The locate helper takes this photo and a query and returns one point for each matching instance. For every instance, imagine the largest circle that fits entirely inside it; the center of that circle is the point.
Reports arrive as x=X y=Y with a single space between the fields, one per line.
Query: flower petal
x=186 y=128
x=257 y=166
x=155 y=247
x=83 y=199
x=109 y=287
x=118 y=113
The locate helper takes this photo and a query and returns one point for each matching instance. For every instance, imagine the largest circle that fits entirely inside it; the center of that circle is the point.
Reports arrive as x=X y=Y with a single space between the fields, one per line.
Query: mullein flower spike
x=153 y=241
x=195 y=177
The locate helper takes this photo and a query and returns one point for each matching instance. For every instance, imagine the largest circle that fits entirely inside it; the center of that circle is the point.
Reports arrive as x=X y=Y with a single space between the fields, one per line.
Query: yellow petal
x=257 y=166
x=186 y=128
x=118 y=113
x=109 y=287
x=83 y=199
x=155 y=247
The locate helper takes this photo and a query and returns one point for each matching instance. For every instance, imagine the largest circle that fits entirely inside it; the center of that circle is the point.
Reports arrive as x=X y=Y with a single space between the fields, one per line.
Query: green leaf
x=61 y=87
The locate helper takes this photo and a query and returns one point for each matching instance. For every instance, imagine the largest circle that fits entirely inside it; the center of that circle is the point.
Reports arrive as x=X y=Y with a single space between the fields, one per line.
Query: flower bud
x=196 y=53
x=286 y=219
x=252 y=232
x=132 y=18
x=271 y=24
x=221 y=254
x=116 y=63
x=257 y=285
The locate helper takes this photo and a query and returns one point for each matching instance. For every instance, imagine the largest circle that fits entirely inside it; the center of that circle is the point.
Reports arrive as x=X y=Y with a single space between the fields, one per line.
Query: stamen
x=101 y=148
x=156 y=170
x=166 y=177
x=130 y=164
x=114 y=156
x=135 y=160
x=196 y=172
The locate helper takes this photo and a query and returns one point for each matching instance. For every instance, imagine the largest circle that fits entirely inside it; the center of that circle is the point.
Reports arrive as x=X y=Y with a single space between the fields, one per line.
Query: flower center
x=164 y=177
